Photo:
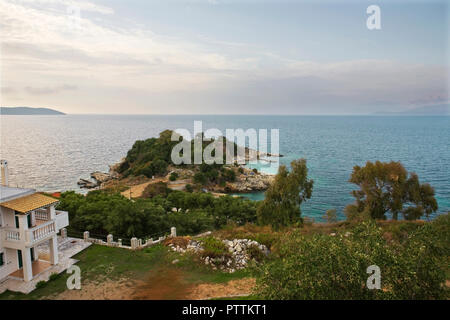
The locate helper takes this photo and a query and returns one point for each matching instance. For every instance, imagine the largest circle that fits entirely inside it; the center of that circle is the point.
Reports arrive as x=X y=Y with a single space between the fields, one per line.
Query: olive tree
x=281 y=206
x=388 y=187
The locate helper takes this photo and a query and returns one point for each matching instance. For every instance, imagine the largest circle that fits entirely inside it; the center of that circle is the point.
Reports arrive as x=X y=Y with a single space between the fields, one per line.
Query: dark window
x=2 y=261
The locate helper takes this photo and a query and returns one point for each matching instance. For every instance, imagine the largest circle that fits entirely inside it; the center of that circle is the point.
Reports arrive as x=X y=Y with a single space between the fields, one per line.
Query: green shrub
x=267 y=239
x=53 y=276
x=156 y=189
x=189 y=188
x=331 y=215
x=173 y=176
x=214 y=248
x=255 y=253
x=334 y=267
x=41 y=284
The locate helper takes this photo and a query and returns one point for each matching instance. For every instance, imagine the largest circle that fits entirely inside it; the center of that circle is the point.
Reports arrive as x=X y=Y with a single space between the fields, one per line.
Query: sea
x=51 y=153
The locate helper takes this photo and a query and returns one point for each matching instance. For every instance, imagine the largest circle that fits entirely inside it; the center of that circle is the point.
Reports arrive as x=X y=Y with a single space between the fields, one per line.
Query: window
x=2 y=260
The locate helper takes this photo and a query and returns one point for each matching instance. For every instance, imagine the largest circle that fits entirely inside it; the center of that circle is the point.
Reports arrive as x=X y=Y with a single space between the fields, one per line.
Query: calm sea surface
x=53 y=152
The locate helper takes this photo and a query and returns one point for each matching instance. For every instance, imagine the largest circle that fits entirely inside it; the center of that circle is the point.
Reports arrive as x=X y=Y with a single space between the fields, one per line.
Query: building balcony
x=44 y=229
x=61 y=219
x=14 y=239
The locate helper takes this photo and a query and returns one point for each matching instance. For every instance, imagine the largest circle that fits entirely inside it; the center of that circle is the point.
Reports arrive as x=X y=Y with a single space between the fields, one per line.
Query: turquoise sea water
x=53 y=152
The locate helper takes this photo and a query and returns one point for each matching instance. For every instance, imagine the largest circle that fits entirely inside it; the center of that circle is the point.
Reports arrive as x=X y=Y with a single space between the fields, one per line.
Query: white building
x=27 y=220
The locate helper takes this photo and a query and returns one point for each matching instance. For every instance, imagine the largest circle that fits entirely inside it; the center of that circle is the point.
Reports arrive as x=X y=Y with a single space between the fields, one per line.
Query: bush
x=200 y=178
x=173 y=176
x=327 y=267
x=41 y=284
x=191 y=223
x=189 y=188
x=156 y=189
x=255 y=253
x=330 y=215
x=53 y=276
x=267 y=239
x=214 y=248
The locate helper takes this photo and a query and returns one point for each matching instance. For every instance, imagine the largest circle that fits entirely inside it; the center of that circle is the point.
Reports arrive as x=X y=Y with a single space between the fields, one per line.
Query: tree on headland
x=281 y=206
x=331 y=215
x=387 y=187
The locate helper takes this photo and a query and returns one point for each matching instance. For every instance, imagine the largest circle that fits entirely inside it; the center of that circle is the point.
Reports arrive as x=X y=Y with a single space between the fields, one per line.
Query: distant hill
x=434 y=110
x=440 y=109
x=28 y=111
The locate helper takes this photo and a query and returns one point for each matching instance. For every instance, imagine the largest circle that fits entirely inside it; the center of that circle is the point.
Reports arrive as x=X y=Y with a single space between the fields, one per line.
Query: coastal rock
x=101 y=177
x=251 y=182
x=83 y=183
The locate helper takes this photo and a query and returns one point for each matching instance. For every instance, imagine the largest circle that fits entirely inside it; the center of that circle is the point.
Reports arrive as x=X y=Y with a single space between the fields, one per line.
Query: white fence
x=136 y=244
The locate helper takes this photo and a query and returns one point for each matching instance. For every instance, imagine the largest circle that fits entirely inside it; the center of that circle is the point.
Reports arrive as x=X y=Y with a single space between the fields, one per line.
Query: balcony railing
x=14 y=237
x=11 y=234
x=41 y=231
x=42 y=215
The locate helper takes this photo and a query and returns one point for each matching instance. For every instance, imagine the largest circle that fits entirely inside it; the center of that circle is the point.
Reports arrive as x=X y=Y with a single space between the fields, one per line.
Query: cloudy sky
x=217 y=57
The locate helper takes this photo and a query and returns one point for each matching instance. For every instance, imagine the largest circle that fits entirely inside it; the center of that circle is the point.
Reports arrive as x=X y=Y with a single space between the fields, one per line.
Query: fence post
x=133 y=243
x=109 y=239
x=86 y=235
x=173 y=232
x=64 y=233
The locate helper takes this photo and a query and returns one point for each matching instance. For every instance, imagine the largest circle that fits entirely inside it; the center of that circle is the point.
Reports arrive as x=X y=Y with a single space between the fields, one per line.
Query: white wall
x=10 y=255
x=11 y=262
x=7 y=217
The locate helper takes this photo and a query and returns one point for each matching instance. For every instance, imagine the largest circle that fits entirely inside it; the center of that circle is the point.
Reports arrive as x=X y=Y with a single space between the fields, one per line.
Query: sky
x=223 y=57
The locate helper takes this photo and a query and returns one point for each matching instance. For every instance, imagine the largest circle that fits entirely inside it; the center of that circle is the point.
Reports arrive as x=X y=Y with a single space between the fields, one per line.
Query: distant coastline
x=28 y=111
x=434 y=110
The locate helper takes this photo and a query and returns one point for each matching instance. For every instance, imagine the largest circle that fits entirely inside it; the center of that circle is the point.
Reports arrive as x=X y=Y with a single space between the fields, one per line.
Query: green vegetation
x=307 y=260
x=387 y=187
x=173 y=176
x=281 y=206
x=214 y=248
x=334 y=267
x=102 y=212
x=156 y=189
x=100 y=263
x=331 y=215
x=151 y=157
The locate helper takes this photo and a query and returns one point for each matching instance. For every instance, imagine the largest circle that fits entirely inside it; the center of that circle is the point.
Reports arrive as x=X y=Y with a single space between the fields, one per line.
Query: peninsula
x=28 y=111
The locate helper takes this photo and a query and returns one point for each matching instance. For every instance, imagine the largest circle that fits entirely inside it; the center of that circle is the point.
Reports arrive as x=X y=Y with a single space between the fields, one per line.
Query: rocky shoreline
x=247 y=180
x=99 y=179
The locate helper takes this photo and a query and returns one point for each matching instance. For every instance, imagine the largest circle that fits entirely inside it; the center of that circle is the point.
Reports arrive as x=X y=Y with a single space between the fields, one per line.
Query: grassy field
x=98 y=263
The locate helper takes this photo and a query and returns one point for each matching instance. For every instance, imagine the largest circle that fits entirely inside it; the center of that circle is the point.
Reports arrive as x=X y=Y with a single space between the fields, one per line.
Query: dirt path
x=137 y=190
x=122 y=289
x=221 y=290
x=160 y=285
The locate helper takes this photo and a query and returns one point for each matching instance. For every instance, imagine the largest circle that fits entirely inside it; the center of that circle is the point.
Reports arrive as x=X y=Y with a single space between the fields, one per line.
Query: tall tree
x=387 y=187
x=281 y=206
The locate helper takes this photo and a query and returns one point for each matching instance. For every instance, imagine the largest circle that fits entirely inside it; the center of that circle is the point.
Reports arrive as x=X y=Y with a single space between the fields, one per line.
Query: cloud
x=119 y=62
x=69 y=4
x=49 y=90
